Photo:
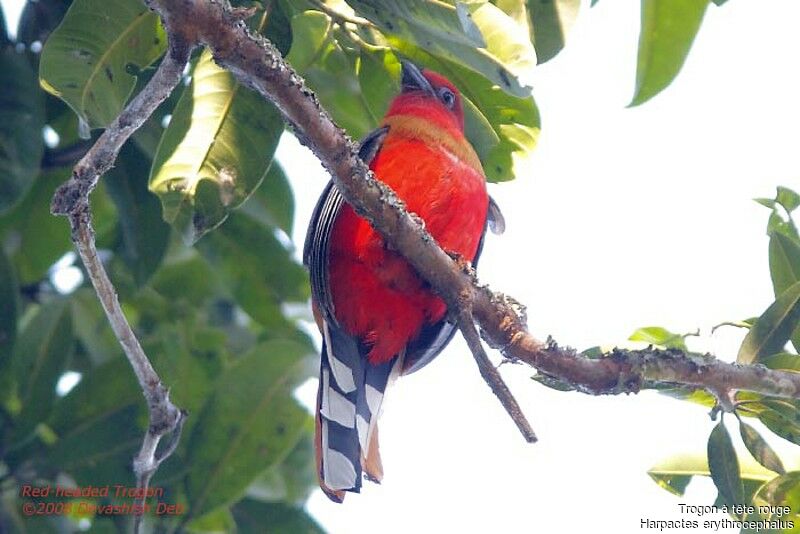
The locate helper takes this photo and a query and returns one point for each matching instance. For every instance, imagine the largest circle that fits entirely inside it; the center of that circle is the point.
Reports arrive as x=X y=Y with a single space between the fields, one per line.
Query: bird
x=377 y=317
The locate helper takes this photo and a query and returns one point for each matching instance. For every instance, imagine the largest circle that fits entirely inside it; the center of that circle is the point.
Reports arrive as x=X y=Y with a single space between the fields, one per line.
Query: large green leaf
x=41 y=352
x=9 y=291
x=379 y=77
x=293 y=479
x=667 y=32
x=272 y=203
x=502 y=128
x=21 y=123
x=759 y=448
x=674 y=473
x=3 y=31
x=253 y=517
x=257 y=269
x=250 y=423
x=216 y=522
x=724 y=466
x=96 y=425
x=547 y=21
x=92 y=328
x=784 y=261
x=88 y=59
x=144 y=235
x=215 y=151
x=189 y=280
x=330 y=71
x=189 y=360
x=41 y=238
x=783 y=491
x=479 y=36
x=773 y=328
x=38 y=238
x=784 y=266
x=782 y=417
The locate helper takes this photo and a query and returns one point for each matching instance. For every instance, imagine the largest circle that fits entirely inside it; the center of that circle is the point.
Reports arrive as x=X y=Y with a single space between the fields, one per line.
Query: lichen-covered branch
x=72 y=200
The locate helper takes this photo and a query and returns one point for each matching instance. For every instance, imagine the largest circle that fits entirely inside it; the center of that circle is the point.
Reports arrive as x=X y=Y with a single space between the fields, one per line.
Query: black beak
x=411 y=79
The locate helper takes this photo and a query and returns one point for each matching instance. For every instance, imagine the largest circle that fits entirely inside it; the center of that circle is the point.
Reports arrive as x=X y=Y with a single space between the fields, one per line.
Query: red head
x=428 y=95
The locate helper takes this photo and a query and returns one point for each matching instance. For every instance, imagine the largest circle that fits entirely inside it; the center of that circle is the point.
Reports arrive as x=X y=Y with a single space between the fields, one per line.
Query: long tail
x=349 y=402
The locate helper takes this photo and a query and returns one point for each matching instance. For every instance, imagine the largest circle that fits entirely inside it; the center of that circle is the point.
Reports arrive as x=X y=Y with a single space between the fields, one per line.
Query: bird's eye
x=447 y=97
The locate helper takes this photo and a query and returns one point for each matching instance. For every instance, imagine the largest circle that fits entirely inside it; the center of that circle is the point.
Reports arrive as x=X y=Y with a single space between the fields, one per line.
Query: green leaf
x=9 y=291
x=787 y=198
x=38 y=238
x=250 y=423
x=291 y=481
x=659 y=336
x=773 y=328
x=502 y=128
x=256 y=517
x=547 y=21
x=88 y=59
x=330 y=71
x=784 y=261
x=760 y=449
x=379 y=76
x=668 y=30
x=782 y=418
x=92 y=328
x=272 y=203
x=783 y=490
x=188 y=279
x=215 y=151
x=3 y=31
x=218 y=521
x=766 y=202
x=674 y=473
x=479 y=36
x=551 y=21
x=43 y=348
x=189 y=360
x=106 y=389
x=783 y=360
x=144 y=235
x=784 y=266
x=724 y=466
x=255 y=267
x=97 y=426
x=21 y=123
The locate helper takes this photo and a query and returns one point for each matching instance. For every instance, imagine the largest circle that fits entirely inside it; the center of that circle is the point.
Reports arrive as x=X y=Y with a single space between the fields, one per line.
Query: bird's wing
x=317 y=244
x=350 y=390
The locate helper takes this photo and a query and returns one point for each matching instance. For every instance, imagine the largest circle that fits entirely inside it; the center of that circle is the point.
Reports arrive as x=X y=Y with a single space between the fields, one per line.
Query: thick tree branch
x=258 y=65
x=72 y=200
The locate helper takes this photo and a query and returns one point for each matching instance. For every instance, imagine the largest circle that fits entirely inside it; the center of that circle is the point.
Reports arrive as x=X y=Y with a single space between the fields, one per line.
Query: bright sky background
x=624 y=218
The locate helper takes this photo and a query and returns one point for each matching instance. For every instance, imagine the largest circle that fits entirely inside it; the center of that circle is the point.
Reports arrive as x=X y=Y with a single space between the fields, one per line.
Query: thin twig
x=339 y=18
x=466 y=323
x=72 y=199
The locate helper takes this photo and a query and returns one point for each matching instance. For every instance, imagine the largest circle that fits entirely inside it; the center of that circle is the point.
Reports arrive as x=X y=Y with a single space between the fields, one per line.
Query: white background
x=623 y=218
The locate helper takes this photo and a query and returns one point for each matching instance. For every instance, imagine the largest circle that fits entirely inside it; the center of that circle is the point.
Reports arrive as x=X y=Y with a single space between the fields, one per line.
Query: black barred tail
x=348 y=405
